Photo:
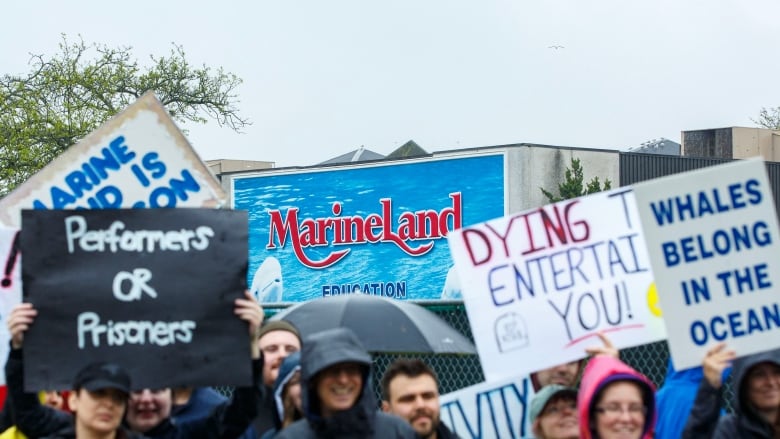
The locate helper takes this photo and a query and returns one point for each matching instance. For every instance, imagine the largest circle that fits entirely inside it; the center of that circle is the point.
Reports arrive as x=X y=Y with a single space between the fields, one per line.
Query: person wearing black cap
x=98 y=400
x=338 y=398
x=225 y=421
x=277 y=340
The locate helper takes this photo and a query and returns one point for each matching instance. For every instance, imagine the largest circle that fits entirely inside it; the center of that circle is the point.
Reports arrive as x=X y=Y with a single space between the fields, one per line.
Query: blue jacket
x=200 y=405
x=675 y=399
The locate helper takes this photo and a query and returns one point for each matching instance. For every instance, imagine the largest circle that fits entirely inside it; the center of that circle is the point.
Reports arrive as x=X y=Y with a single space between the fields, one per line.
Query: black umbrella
x=382 y=324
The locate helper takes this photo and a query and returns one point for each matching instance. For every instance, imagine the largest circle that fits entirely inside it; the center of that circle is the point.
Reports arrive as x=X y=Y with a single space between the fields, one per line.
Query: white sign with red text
x=539 y=285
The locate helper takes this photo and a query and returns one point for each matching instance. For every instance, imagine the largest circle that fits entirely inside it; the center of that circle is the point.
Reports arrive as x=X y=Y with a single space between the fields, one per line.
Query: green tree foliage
x=769 y=118
x=572 y=186
x=65 y=97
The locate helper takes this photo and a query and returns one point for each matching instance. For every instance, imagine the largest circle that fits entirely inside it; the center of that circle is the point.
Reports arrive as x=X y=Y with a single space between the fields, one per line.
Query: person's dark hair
x=647 y=398
x=411 y=367
x=291 y=412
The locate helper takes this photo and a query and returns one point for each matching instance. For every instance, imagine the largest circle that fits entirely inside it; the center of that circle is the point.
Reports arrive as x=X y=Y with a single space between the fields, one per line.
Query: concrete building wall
x=223 y=167
x=751 y=142
x=533 y=167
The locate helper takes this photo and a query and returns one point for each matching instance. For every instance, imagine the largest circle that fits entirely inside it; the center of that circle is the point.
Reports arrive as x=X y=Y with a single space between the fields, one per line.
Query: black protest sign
x=150 y=289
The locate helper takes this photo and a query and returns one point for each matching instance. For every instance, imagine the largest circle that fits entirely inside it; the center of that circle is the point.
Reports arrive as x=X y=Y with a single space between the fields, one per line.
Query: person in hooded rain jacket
x=338 y=398
x=615 y=400
x=756 y=399
x=287 y=410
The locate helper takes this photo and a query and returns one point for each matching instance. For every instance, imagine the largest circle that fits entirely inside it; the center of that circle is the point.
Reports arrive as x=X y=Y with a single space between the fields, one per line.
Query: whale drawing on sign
x=267 y=282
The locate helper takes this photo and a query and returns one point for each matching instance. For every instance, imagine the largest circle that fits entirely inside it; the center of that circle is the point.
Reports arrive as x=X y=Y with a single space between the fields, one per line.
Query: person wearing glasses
x=553 y=413
x=615 y=401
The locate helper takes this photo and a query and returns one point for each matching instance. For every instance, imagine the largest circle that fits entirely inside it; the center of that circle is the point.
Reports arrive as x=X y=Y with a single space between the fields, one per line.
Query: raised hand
x=717 y=359
x=249 y=310
x=19 y=321
x=607 y=347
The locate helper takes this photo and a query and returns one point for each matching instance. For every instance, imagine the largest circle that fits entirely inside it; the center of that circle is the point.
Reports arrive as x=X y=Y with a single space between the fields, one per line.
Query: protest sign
x=10 y=285
x=712 y=238
x=149 y=289
x=489 y=410
x=539 y=285
x=137 y=159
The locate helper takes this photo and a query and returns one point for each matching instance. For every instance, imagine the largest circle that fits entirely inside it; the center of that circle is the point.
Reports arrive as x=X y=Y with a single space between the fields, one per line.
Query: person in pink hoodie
x=615 y=401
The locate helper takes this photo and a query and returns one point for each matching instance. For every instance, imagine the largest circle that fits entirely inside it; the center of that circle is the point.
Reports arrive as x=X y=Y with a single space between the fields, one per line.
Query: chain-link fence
x=459 y=371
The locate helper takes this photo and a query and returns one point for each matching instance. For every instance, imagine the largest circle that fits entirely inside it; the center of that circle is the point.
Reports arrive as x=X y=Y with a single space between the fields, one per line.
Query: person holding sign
x=98 y=400
x=144 y=415
x=277 y=340
x=615 y=401
x=756 y=397
x=562 y=376
x=565 y=374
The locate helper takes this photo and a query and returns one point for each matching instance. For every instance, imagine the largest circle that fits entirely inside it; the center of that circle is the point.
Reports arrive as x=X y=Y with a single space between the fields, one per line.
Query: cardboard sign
x=137 y=159
x=539 y=285
x=10 y=285
x=374 y=229
x=712 y=238
x=149 y=289
x=490 y=410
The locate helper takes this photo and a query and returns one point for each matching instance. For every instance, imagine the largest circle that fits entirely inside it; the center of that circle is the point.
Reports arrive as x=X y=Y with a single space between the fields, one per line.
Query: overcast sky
x=322 y=78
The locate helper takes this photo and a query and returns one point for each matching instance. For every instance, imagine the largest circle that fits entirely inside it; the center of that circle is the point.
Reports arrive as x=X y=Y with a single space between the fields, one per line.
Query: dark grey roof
x=408 y=149
x=661 y=146
x=359 y=155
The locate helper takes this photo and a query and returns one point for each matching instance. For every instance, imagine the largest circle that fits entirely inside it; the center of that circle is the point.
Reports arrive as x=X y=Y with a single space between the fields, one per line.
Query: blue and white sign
x=712 y=238
x=490 y=410
x=137 y=159
x=374 y=229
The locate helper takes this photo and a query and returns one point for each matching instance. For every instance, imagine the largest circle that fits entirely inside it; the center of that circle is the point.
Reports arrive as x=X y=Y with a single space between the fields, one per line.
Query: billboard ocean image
x=373 y=229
